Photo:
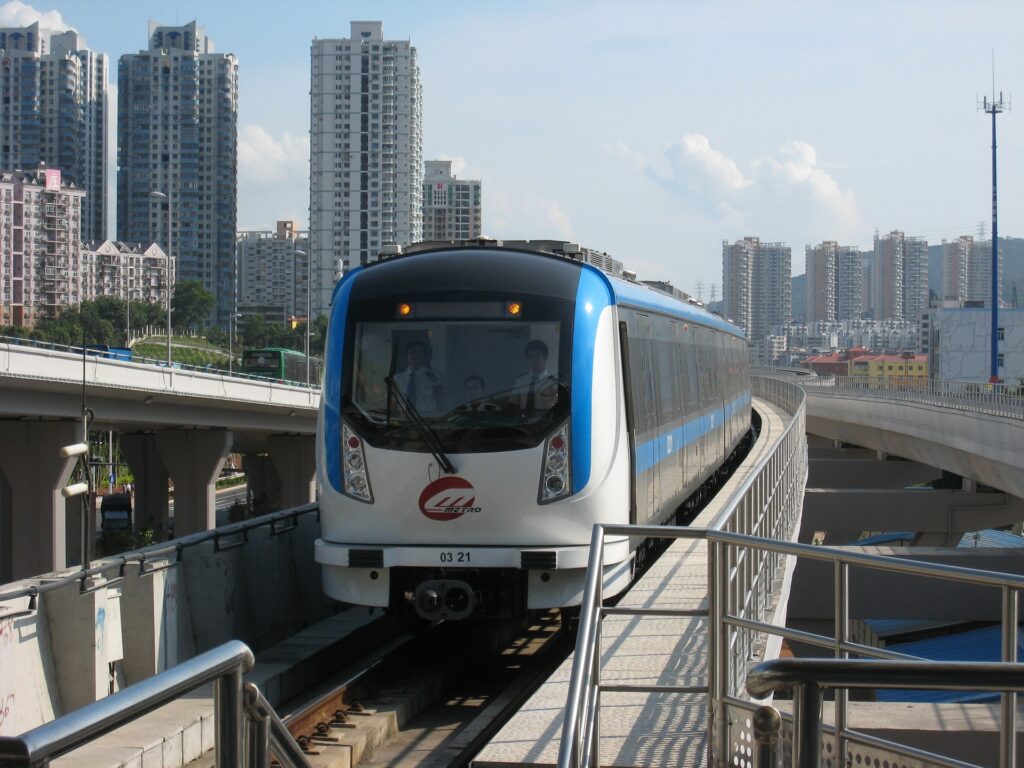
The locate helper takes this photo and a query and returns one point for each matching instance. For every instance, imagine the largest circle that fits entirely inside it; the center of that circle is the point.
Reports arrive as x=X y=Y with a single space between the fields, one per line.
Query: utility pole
x=994 y=107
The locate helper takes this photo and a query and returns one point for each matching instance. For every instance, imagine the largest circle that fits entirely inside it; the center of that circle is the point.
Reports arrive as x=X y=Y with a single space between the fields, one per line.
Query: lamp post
x=156 y=194
x=231 y=336
x=309 y=291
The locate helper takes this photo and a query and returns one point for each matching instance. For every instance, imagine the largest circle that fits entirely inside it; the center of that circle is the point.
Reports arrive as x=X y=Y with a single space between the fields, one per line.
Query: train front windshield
x=480 y=384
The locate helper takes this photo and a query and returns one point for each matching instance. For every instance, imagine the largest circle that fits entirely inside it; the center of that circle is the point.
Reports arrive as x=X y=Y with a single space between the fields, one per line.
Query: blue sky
x=651 y=130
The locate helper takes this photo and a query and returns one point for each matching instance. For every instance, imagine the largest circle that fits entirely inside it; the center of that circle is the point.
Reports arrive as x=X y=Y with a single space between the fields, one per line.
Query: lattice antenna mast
x=994 y=107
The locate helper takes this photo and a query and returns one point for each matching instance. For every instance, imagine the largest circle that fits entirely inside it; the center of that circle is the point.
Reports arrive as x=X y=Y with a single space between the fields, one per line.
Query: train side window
x=690 y=362
x=667 y=396
x=643 y=390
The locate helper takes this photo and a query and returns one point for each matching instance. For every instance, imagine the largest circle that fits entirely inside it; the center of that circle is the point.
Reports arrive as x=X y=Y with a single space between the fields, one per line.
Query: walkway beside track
x=648 y=730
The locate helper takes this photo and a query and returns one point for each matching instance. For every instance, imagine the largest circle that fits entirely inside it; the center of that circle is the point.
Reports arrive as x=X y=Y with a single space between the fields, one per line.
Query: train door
x=670 y=409
x=648 y=452
x=692 y=414
x=722 y=375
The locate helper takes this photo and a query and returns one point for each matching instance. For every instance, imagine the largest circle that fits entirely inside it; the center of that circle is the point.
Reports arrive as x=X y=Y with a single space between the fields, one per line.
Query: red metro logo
x=448 y=498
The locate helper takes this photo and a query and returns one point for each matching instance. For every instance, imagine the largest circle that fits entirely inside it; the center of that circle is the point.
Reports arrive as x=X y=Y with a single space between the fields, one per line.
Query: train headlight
x=353 y=466
x=554 y=477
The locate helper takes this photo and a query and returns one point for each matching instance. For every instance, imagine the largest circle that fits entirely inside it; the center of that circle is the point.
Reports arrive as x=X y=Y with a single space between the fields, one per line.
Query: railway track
x=432 y=699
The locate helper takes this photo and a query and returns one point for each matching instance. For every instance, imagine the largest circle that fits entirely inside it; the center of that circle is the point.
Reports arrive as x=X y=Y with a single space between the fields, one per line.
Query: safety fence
x=994 y=399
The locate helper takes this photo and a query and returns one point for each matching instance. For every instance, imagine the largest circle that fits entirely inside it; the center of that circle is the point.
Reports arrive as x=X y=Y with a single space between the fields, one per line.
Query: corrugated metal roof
x=974 y=645
x=991 y=538
x=887 y=538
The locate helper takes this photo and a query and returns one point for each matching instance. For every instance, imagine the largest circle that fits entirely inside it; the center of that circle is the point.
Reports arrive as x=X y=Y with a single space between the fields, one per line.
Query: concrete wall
x=63 y=653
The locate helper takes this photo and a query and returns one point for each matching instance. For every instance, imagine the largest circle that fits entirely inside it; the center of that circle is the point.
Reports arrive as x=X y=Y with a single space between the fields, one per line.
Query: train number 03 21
x=455 y=557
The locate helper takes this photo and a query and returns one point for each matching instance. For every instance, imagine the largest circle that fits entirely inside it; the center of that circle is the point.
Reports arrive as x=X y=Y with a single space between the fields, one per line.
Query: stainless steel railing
x=246 y=730
x=807 y=678
x=767 y=503
x=995 y=399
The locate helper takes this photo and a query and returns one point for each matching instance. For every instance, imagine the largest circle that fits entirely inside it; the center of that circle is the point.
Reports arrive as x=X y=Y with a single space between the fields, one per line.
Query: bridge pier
x=139 y=451
x=294 y=457
x=263 y=481
x=32 y=510
x=193 y=458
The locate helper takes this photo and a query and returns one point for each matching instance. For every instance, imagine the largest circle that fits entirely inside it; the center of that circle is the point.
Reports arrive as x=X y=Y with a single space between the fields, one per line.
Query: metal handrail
x=996 y=399
x=247 y=729
x=223 y=666
x=807 y=677
x=268 y=734
x=581 y=723
x=161 y=551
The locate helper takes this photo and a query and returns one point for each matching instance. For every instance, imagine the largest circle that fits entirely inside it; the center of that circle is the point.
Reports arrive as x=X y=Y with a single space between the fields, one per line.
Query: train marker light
x=353 y=466
x=513 y=308
x=554 y=482
x=404 y=310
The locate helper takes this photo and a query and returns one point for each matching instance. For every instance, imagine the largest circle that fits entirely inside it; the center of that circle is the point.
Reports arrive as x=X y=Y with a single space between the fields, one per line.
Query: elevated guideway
x=975 y=431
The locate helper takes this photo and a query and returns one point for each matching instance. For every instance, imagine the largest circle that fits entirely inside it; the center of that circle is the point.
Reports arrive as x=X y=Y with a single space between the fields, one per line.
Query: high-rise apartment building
x=757 y=285
x=820 y=268
x=956 y=261
x=54 y=92
x=273 y=270
x=900 y=278
x=451 y=206
x=915 y=278
x=366 y=152
x=888 y=276
x=834 y=282
x=177 y=135
x=979 y=274
x=40 y=246
x=128 y=271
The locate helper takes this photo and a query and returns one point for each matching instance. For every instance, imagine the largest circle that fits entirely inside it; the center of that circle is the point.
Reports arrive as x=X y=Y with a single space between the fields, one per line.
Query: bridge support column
x=295 y=459
x=150 y=504
x=263 y=481
x=193 y=458
x=33 y=509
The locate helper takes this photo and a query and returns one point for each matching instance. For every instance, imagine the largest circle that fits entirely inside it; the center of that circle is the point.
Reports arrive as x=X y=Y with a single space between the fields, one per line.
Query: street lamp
x=158 y=195
x=231 y=335
x=309 y=291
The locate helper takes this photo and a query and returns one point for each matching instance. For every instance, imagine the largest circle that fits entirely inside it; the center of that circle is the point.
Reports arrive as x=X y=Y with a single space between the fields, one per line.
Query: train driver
x=537 y=389
x=418 y=382
x=475 y=400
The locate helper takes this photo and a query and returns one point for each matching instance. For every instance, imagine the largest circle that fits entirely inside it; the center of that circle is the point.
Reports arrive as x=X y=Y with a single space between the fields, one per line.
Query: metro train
x=484 y=405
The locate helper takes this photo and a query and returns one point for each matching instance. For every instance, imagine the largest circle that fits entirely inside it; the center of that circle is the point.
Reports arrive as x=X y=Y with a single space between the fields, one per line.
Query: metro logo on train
x=441 y=500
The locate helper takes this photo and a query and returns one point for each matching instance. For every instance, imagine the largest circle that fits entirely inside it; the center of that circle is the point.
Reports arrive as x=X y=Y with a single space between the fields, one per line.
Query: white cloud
x=273 y=177
x=785 y=194
x=703 y=165
x=557 y=219
x=263 y=157
x=18 y=14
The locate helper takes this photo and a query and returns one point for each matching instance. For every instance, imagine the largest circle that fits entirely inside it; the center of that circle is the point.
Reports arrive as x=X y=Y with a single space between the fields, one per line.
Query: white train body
x=482 y=502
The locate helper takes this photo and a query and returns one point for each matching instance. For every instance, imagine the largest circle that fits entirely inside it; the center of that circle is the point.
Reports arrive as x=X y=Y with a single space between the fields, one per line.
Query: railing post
x=1008 y=721
x=227 y=692
x=806 y=725
x=767 y=725
x=842 y=631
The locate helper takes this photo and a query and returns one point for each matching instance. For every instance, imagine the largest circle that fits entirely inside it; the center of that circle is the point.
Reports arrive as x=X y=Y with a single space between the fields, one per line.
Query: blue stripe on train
x=331 y=393
x=593 y=295
x=656 y=450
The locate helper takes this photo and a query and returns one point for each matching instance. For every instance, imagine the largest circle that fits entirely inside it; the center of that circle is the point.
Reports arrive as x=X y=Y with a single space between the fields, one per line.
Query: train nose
x=436 y=600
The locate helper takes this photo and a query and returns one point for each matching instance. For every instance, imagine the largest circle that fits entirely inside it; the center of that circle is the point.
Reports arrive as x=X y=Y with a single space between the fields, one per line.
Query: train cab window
x=481 y=381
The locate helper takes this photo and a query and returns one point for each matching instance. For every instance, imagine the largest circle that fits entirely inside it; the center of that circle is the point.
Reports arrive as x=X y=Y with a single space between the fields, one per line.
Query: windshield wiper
x=429 y=436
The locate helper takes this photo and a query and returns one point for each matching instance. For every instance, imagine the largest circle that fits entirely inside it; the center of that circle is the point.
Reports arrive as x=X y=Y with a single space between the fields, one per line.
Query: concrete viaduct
x=173 y=424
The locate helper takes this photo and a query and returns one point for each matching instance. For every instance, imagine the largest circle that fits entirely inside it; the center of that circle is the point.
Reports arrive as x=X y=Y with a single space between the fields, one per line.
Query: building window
x=999 y=359
x=1001 y=334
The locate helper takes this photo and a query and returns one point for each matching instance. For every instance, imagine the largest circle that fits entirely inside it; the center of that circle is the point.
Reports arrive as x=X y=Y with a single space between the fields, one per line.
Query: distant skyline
x=650 y=130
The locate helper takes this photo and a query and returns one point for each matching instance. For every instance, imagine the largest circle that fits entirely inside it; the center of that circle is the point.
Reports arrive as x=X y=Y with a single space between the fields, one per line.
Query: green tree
x=255 y=332
x=191 y=305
